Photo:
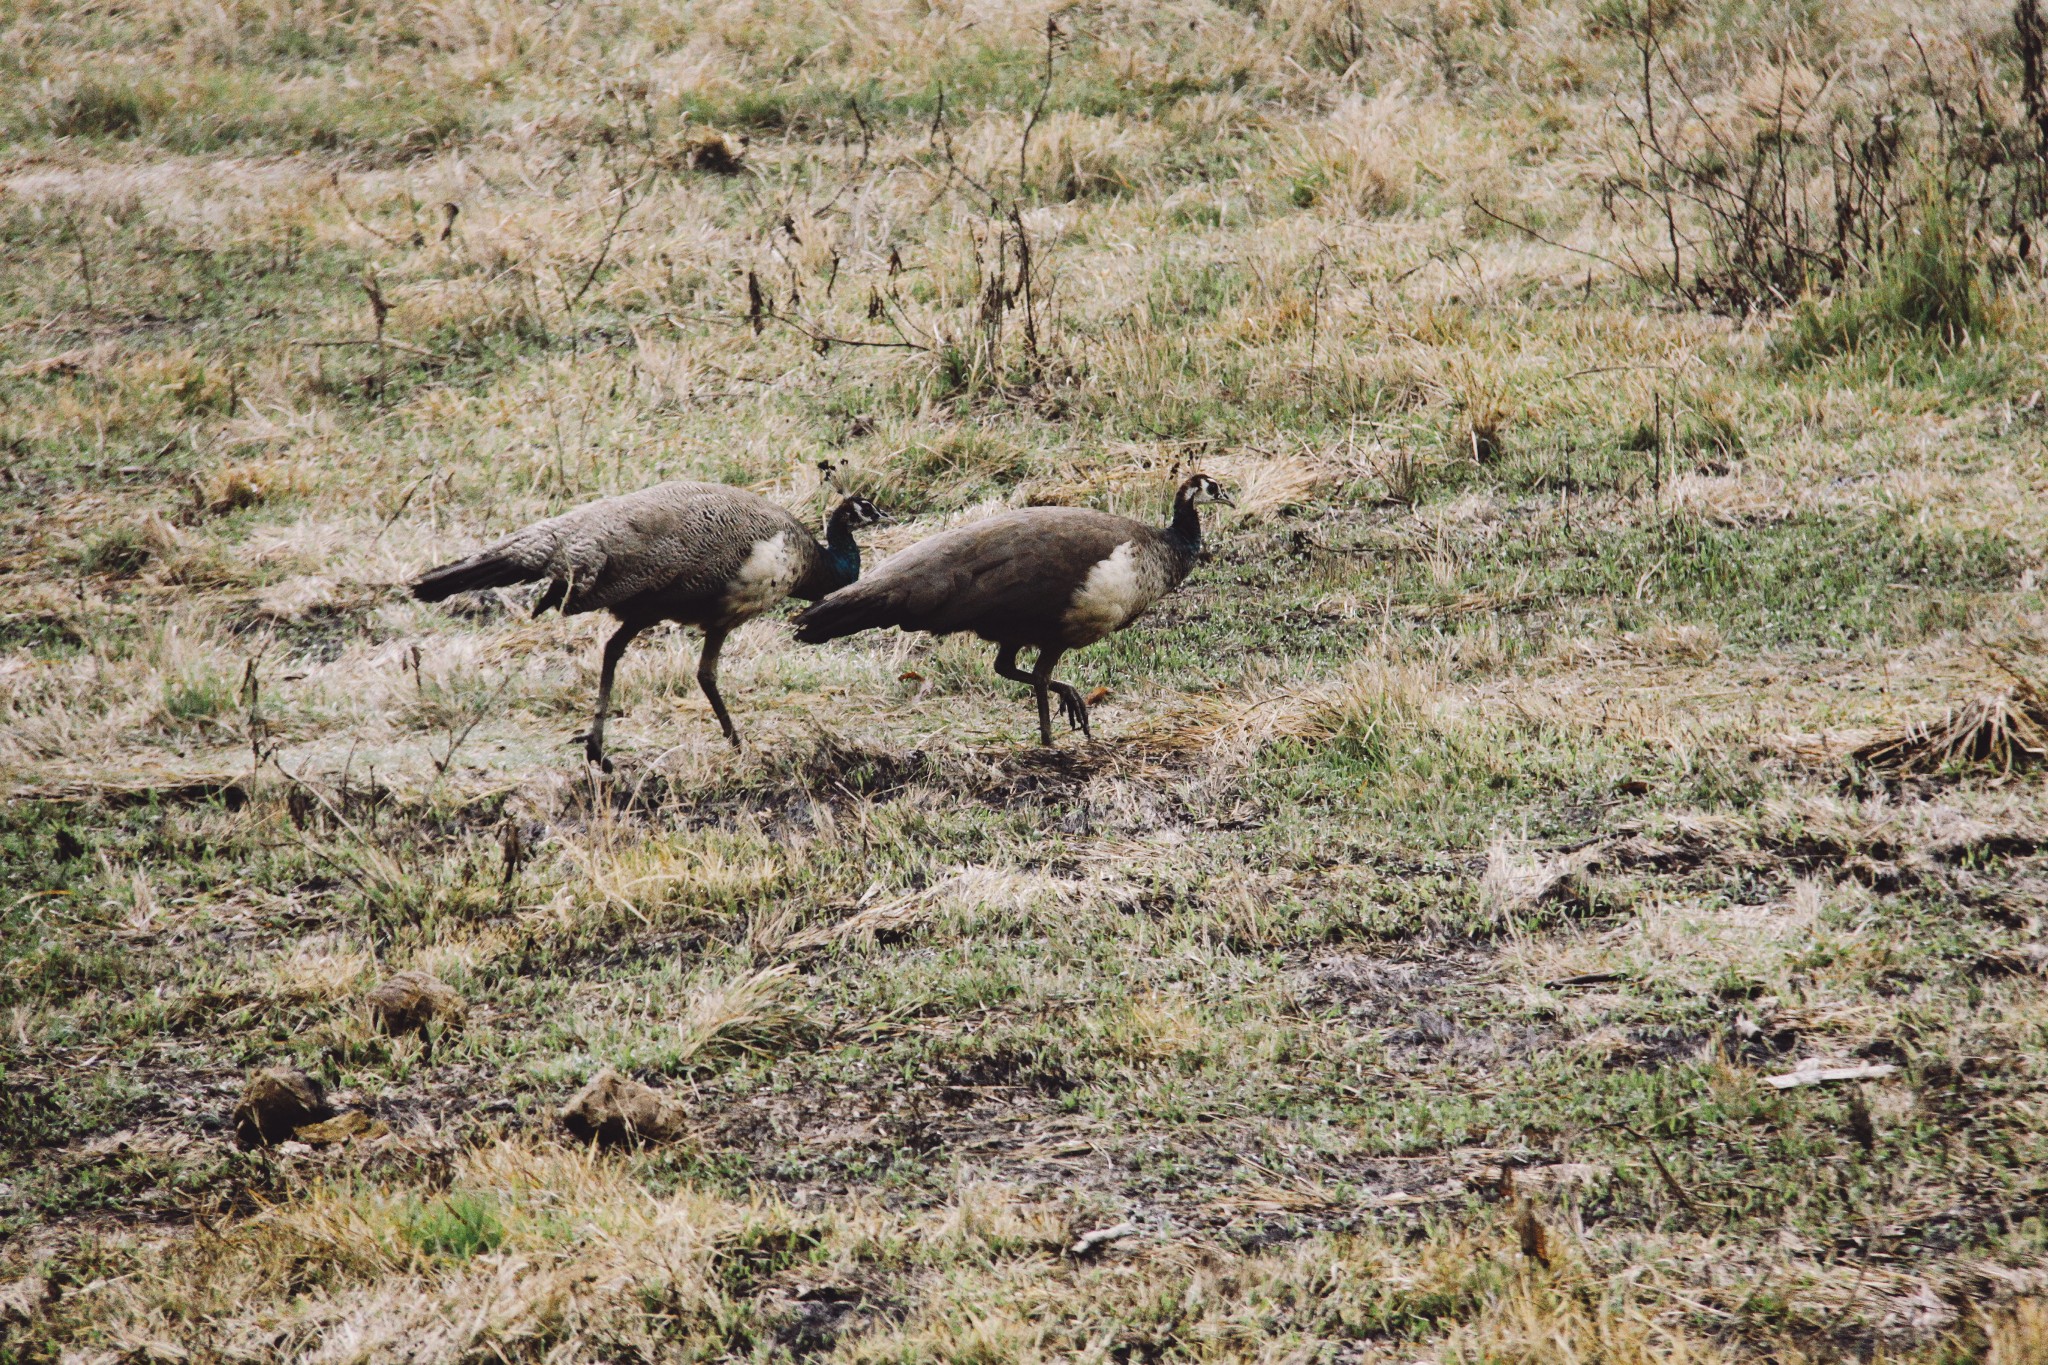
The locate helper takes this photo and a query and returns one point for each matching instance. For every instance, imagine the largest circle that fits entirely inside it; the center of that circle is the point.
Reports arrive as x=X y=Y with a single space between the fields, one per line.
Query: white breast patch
x=765 y=579
x=1114 y=592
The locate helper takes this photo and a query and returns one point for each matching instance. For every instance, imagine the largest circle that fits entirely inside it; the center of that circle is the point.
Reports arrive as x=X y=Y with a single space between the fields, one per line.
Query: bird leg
x=1074 y=708
x=1071 y=705
x=1006 y=667
x=614 y=648
x=707 y=678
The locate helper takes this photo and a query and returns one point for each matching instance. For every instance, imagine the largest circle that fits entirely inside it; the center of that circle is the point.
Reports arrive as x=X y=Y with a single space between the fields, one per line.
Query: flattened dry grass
x=1999 y=731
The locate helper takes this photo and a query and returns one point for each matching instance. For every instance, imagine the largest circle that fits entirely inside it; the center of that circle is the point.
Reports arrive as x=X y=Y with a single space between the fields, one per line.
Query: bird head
x=856 y=511
x=852 y=514
x=1197 y=489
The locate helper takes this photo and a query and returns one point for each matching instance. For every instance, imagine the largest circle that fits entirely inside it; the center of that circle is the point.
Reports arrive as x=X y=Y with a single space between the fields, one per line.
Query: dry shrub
x=959 y=906
x=1678 y=643
x=1266 y=484
x=1558 y=1319
x=1241 y=724
x=1333 y=35
x=1260 y=321
x=2019 y=1335
x=471 y=311
x=1376 y=707
x=989 y=1220
x=179 y=379
x=486 y=37
x=1782 y=99
x=64 y=364
x=1479 y=433
x=644 y=882
x=1873 y=210
x=98 y=105
x=712 y=152
x=1074 y=156
x=751 y=1014
x=1479 y=391
x=230 y=487
x=1356 y=159
x=129 y=546
x=1209 y=115
x=319 y=972
x=2000 y=730
x=1515 y=884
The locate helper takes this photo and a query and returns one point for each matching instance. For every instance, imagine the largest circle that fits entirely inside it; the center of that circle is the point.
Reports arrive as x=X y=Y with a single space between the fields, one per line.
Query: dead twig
x=823 y=340
x=624 y=188
x=386 y=343
x=334 y=179
x=1044 y=90
x=442 y=764
x=399 y=510
x=1628 y=270
x=1670 y=1181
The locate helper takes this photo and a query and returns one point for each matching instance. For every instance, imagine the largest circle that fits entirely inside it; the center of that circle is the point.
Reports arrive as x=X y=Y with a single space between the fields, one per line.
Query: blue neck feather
x=1186 y=531
x=841 y=549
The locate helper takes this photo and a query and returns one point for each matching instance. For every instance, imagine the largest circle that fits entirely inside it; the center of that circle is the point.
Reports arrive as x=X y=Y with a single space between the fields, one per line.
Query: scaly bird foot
x=1074 y=709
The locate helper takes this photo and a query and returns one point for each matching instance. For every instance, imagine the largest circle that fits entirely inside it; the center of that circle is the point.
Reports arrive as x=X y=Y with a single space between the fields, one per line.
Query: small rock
x=275 y=1103
x=613 y=1110
x=409 y=1001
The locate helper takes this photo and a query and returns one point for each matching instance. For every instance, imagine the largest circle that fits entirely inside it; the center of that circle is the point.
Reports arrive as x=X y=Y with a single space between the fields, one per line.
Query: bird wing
x=677 y=540
x=1014 y=572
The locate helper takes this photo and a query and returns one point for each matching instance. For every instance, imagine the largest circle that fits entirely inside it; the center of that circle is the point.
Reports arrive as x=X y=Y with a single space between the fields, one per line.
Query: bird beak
x=1225 y=498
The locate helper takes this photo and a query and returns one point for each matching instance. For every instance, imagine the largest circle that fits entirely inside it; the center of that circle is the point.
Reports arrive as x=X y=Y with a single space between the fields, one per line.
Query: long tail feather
x=491 y=569
x=846 y=612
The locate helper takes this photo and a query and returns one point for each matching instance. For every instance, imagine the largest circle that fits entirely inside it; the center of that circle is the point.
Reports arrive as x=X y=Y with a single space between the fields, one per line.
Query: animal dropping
x=276 y=1103
x=615 y=1110
x=1049 y=579
x=409 y=1001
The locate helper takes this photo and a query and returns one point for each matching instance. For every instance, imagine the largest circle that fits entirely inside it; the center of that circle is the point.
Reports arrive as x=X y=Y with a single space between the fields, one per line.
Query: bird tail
x=497 y=567
x=849 y=611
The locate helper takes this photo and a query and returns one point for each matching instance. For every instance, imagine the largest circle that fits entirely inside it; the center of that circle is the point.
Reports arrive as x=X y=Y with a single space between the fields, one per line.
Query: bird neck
x=1186 y=531
x=841 y=549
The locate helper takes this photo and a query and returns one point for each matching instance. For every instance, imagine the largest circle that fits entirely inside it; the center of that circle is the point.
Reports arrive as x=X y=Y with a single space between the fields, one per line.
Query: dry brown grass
x=2000 y=731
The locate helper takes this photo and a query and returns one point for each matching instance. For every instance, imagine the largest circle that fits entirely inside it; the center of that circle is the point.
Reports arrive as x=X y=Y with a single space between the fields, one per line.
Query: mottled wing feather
x=1009 y=574
x=676 y=542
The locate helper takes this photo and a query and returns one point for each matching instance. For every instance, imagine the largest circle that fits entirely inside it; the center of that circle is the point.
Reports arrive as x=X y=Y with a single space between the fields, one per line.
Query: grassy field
x=1461 y=852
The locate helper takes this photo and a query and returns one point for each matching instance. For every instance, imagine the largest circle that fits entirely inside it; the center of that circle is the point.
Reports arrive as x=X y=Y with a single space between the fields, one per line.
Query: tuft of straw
x=748 y=1015
x=2004 y=730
